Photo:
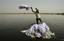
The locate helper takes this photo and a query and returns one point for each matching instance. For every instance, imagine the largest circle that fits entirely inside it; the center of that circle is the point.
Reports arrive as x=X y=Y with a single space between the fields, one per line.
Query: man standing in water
x=38 y=17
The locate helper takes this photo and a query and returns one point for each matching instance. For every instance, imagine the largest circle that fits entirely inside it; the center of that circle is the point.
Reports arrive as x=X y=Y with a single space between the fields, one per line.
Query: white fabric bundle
x=44 y=31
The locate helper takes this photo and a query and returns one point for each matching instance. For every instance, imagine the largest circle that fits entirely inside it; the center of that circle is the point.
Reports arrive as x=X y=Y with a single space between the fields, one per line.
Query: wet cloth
x=39 y=30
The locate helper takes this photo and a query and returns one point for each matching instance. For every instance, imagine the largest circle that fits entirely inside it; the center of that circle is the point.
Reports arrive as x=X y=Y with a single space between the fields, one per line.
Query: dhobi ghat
x=39 y=30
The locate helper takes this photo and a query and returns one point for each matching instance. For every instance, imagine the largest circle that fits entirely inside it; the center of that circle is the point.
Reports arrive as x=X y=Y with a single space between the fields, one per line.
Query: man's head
x=36 y=8
x=37 y=11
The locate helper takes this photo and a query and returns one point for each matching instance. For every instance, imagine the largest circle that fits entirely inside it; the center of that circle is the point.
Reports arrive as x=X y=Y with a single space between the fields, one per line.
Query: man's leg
x=37 y=20
x=40 y=20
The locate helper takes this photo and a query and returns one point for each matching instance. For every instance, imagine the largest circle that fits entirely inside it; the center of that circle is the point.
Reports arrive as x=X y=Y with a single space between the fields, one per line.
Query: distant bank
x=40 y=13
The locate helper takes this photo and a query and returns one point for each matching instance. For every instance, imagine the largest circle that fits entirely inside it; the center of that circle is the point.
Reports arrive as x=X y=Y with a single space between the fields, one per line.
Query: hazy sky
x=45 y=6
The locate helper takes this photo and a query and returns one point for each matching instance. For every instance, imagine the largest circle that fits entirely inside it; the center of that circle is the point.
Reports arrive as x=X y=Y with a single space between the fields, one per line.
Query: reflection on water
x=11 y=24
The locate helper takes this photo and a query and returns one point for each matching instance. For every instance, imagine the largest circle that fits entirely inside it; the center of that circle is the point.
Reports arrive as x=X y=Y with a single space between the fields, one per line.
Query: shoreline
x=39 y=13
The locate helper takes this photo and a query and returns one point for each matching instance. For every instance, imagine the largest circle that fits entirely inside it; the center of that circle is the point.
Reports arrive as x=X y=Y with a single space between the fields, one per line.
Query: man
x=40 y=29
x=38 y=17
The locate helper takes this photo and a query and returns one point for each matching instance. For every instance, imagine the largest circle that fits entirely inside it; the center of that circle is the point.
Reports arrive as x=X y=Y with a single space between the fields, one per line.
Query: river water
x=12 y=24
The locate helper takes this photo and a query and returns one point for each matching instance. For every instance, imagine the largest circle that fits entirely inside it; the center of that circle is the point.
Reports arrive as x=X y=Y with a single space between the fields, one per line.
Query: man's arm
x=32 y=10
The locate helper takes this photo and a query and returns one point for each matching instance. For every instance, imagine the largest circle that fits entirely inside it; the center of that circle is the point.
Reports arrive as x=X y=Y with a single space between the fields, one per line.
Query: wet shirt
x=37 y=14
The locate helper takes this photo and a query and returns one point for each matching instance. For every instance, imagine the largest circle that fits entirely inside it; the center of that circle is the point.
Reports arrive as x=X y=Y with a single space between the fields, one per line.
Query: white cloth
x=24 y=5
x=43 y=28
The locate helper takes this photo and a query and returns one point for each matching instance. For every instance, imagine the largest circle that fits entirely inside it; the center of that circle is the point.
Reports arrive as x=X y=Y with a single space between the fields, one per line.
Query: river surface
x=12 y=24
